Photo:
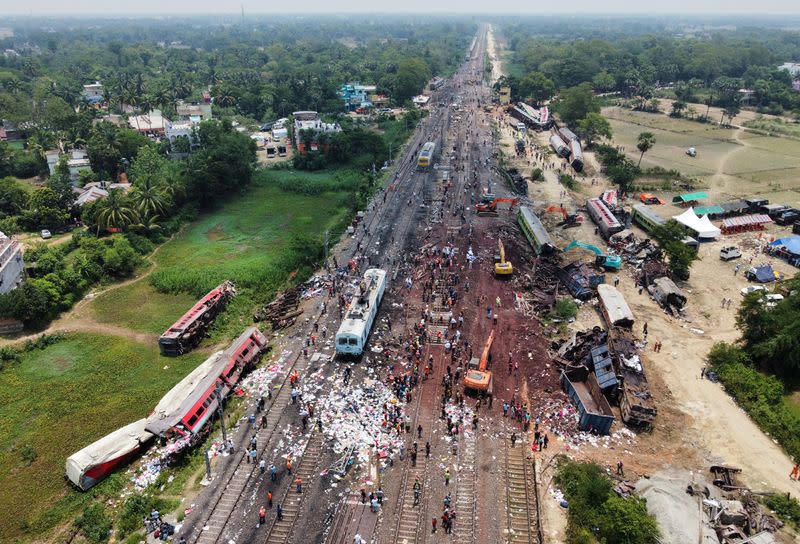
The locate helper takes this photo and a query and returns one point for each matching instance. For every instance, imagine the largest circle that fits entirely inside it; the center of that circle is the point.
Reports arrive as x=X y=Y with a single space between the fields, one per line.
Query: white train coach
x=354 y=330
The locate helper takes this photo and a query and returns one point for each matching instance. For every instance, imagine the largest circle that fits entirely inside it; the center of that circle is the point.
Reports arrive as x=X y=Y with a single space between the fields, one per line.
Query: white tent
x=701 y=225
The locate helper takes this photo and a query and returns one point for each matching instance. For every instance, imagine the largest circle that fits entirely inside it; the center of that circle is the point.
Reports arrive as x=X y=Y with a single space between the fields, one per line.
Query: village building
x=12 y=267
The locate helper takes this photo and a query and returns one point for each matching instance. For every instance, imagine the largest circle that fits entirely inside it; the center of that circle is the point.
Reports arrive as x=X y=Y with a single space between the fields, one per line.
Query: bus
x=425 y=159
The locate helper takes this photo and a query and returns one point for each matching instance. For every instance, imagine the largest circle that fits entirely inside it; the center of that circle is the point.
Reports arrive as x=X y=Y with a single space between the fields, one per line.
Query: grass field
x=238 y=242
x=730 y=162
x=59 y=399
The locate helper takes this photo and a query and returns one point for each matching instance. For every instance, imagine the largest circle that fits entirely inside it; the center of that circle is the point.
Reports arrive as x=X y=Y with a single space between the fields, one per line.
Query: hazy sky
x=143 y=7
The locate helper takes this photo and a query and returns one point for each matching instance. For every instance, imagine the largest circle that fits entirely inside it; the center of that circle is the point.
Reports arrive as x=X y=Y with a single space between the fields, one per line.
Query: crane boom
x=485 y=355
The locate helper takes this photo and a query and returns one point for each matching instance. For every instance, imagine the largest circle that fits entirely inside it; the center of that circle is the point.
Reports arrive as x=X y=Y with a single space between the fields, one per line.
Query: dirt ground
x=731 y=162
x=698 y=424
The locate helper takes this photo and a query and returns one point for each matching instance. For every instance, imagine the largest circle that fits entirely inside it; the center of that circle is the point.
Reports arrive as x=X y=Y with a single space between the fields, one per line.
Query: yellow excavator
x=502 y=267
x=477 y=377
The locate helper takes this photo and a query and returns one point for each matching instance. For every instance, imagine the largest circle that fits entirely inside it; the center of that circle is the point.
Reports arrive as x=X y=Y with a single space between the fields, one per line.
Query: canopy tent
x=689 y=197
x=732 y=208
x=745 y=223
x=701 y=225
x=790 y=244
x=709 y=210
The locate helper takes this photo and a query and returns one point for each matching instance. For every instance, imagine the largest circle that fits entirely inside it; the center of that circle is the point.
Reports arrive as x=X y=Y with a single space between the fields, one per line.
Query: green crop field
x=57 y=400
x=239 y=242
x=731 y=162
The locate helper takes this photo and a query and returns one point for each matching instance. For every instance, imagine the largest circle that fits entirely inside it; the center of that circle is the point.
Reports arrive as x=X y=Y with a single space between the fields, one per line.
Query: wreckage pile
x=281 y=312
x=609 y=362
x=734 y=513
x=541 y=286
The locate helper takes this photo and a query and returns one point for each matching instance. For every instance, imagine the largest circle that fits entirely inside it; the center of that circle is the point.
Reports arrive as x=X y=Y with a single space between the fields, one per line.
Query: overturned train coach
x=183 y=411
x=190 y=329
x=188 y=406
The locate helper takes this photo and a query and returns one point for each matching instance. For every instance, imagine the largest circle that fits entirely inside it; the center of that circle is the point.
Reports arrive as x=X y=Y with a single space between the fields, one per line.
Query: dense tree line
x=262 y=71
x=711 y=65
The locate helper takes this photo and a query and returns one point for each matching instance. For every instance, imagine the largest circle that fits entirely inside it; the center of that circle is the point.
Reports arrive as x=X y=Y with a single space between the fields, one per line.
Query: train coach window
x=353 y=341
x=343 y=341
x=192 y=421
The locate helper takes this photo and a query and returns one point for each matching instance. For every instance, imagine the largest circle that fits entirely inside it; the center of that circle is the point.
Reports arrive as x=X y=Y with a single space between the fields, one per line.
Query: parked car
x=45 y=234
x=773 y=299
x=729 y=253
x=753 y=289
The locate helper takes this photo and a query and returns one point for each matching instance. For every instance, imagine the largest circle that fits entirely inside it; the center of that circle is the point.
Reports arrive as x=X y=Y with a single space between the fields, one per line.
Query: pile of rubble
x=283 y=311
x=734 y=513
x=614 y=359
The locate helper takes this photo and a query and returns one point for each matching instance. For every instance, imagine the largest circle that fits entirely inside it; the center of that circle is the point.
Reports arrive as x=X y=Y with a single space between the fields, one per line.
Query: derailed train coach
x=182 y=412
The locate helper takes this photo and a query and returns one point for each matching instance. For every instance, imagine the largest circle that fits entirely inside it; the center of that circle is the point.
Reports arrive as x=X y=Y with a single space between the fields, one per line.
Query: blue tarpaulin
x=762 y=274
x=790 y=244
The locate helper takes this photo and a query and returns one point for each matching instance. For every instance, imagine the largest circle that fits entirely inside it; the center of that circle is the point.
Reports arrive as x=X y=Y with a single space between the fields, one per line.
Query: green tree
x=603 y=82
x=577 y=102
x=678 y=106
x=115 y=211
x=44 y=210
x=537 y=86
x=594 y=126
x=679 y=256
x=412 y=75
x=13 y=198
x=644 y=143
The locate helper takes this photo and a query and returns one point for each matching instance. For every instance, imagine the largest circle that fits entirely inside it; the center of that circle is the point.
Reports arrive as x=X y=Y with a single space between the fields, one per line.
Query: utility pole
x=221 y=412
x=325 y=239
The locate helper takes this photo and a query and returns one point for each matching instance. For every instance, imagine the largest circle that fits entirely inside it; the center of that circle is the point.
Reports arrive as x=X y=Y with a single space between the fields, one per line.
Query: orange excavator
x=477 y=377
x=569 y=219
x=490 y=208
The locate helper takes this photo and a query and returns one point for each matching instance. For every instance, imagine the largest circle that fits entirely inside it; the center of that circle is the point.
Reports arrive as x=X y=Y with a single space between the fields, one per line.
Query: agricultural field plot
x=731 y=162
x=55 y=401
x=240 y=242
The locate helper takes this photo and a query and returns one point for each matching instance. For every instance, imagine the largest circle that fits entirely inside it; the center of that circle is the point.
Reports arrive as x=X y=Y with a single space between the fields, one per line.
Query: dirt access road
x=715 y=430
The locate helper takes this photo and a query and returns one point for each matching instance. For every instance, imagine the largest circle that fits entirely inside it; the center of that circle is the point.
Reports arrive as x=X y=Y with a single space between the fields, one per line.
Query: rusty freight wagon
x=187 y=332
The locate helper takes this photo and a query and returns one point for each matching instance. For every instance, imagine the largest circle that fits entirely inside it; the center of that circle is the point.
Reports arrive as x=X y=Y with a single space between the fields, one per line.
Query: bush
x=537 y=175
x=139 y=506
x=596 y=513
x=785 y=507
x=761 y=396
x=565 y=308
x=568 y=181
x=94 y=523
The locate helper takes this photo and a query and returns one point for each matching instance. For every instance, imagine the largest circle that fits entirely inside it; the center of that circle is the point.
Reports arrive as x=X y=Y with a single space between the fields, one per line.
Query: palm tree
x=147 y=224
x=115 y=212
x=148 y=197
x=644 y=143
x=731 y=111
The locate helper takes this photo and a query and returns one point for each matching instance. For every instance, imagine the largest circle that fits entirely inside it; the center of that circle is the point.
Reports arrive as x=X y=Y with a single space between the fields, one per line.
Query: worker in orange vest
x=269 y=499
x=289 y=465
x=262 y=516
x=299 y=483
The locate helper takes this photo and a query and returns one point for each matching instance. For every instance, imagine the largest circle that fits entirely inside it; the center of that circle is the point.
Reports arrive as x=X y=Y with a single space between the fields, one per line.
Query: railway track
x=228 y=496
x=291 y=501
x=466 y=524
x=521 y=508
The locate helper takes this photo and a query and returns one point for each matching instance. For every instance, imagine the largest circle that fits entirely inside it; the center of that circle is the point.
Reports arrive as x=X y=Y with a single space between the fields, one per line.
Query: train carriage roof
x=173 y=406
x=617 y=309
x=536 y=226
x=110 y=447
x=351 y=324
